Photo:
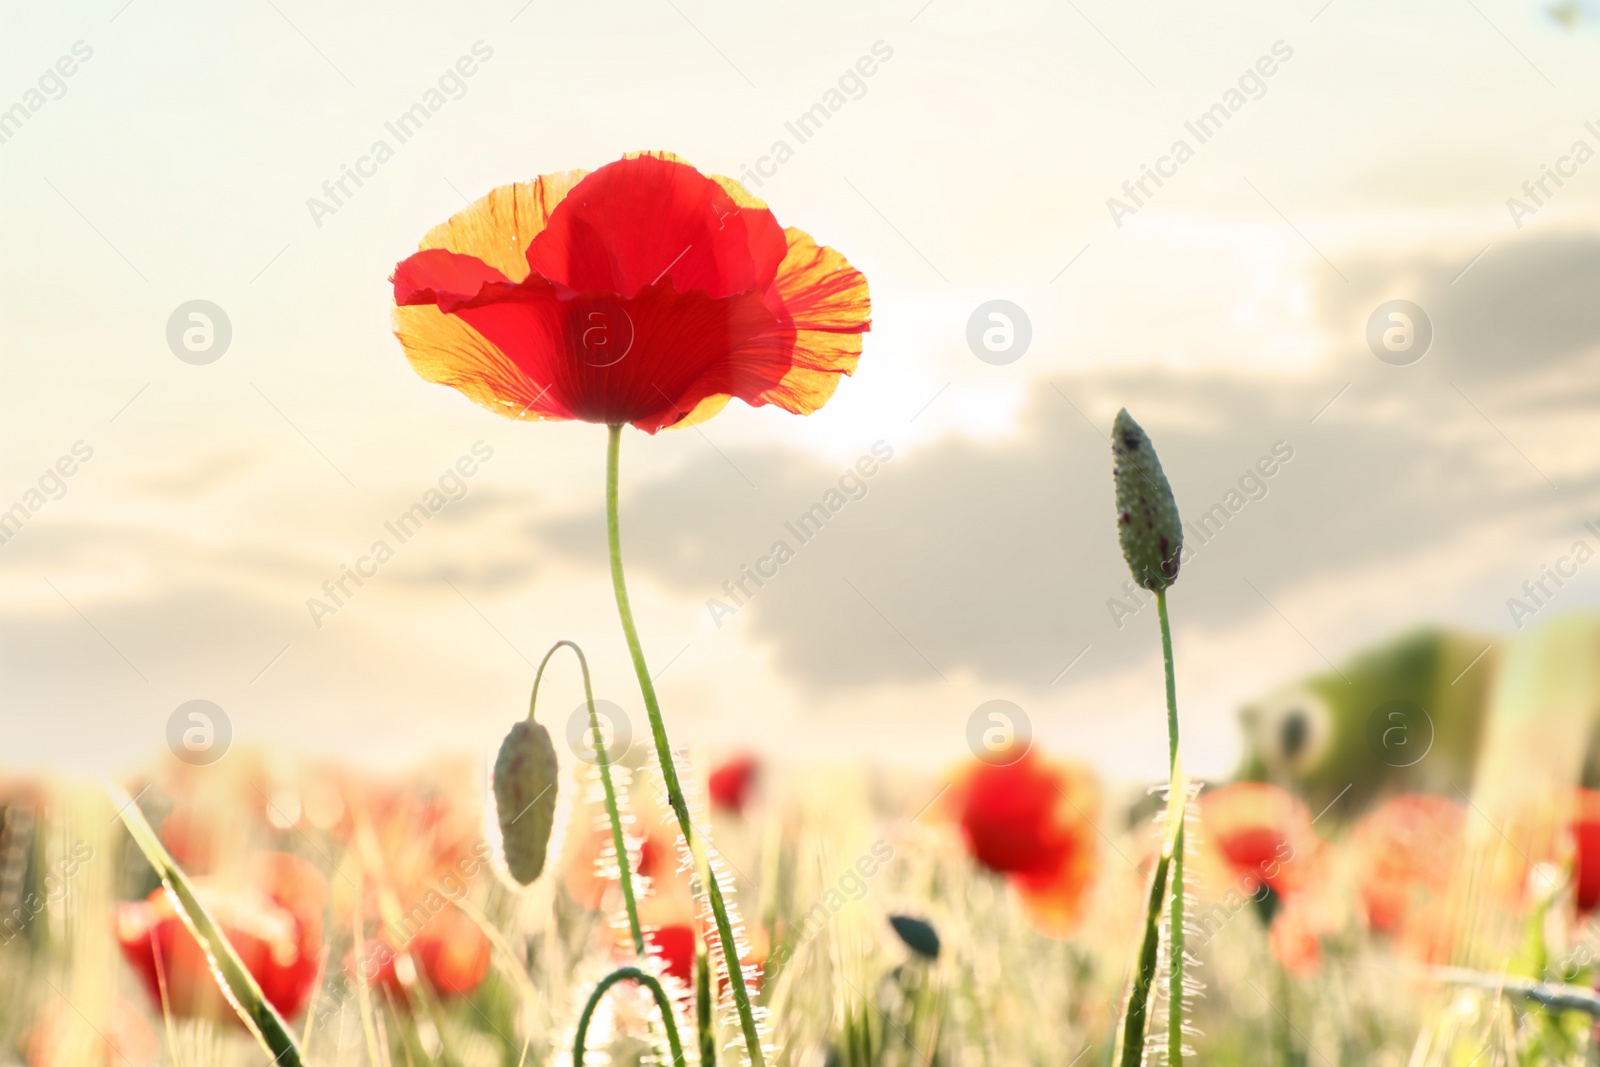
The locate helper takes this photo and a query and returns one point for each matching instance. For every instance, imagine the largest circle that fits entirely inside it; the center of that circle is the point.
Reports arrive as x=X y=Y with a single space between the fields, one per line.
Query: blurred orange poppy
x=644 y=292
x=451 y=953
x=1405 y=852
x=63 y=1038
x=1295 y=939
x=588 y=877
x=274 y=923
x=412 y=836
x=1032 y=820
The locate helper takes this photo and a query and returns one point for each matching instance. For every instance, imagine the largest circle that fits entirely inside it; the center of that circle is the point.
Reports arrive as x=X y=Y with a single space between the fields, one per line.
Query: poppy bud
x=919 y=935
x=1147 y=517
x=525 y=798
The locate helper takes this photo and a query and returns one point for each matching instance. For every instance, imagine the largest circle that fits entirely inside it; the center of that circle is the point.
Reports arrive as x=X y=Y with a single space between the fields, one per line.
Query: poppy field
x=986 y=916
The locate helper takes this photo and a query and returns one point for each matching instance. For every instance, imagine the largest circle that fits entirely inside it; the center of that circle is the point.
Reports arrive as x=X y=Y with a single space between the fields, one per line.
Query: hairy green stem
x=1175 y=951
x=649 y=982
x=669 y=772
x=1133 y=1032
x=617 y=840
x=704 y=1022
x=237 y=984
x=1175 y=970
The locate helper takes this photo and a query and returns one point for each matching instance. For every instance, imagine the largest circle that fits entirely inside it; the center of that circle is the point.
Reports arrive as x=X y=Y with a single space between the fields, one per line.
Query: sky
x=1357 y=154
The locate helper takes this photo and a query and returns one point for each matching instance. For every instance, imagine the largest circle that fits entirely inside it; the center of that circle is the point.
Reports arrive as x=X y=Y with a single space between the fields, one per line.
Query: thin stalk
x=235 y=981
x=1175 y=970
x=1284 y=1027
x=1133 y=1033
x=649 y=982
x=1175 y=950
x=669 y=772
x=617 y=840
x=704 y=1022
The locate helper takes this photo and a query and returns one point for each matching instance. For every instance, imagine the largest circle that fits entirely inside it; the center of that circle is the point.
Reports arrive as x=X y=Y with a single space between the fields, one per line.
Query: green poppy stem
x=617 y=840
x=649 y=982
x=704 y=1023
x=1133 y=1026
x=1175 y=950
x=1282 y=1026
x=669 y=772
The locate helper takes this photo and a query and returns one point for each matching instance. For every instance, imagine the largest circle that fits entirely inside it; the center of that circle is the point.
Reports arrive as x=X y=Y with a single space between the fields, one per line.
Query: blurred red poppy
x=1262 y=836
x=675 y=930
x=1586 y=850
x=645 y=293
x=674 y=946
x=274 y=923
x=1262 y=833
x=1032 y=820
x=1405 y=853
x=730 y=784
x=451 y=953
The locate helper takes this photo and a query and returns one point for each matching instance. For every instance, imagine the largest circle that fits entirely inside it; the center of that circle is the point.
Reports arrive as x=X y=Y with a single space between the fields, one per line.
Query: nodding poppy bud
x=1147 y=517
x=525 y=798
x=918 y=934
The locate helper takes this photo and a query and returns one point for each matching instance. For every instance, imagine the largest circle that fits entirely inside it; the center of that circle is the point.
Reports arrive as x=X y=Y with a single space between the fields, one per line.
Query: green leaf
x=233 y=978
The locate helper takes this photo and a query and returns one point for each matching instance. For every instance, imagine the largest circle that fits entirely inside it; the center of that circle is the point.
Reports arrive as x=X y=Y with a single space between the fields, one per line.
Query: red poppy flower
x=731 y=783
x=451 y=953
x=1032 y=821
x=1586 y=850
x=1262 y=833
x=274 y=925
x=1405 y=853
x=645 y=293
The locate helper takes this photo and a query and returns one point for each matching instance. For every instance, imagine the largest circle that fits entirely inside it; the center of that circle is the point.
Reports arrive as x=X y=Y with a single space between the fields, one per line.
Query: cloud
x=1522 y=316
x=997 y=560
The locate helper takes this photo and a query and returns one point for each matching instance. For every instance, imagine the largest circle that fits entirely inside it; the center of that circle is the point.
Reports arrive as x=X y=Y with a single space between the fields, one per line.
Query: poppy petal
x=445 y=350
x=823 y=306
x=649 y=218
x=708 y=408
x=827 y=303
x=662 y=353
x=448 y=279
x=498 y=228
